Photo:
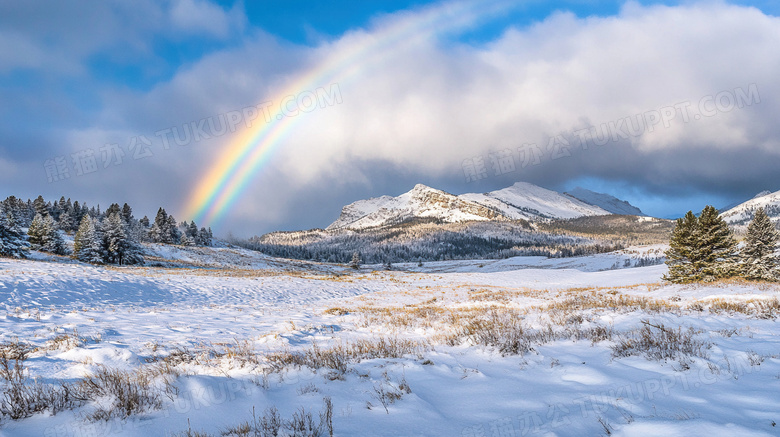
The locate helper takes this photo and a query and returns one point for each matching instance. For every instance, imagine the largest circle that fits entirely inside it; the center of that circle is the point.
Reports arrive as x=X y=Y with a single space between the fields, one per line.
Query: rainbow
x=234 y=169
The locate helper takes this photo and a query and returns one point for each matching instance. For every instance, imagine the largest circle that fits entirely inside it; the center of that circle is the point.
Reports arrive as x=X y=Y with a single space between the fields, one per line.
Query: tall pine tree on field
x=37 y=231
x=758 y=257
x=716 y=250
x=701 y=249
x=680 y=256
x=88 y=244
x=115 y=237
x=12 y=241
x=53 y=241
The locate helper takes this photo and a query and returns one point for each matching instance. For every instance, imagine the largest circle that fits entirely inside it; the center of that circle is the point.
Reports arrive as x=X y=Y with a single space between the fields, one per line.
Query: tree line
x=425 y=240
x=112 y=236
x=703 y=249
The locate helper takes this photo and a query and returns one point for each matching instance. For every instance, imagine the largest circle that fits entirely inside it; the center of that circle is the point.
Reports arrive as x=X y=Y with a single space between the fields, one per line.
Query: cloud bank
x=416 y=110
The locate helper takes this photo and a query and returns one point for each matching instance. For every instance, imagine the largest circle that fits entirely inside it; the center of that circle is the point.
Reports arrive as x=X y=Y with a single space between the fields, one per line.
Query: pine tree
x=88 y=245
x=52 y=241
x=758 y=257
x=192 y=230
x=127 y=213
x=172 y=230
x=12 y=241
x=204 y=237
x=355 y=263
x=716 y=251
x=40 y=206
x=115 y=238
x=158 y=233
x=66 y=221
x=37 y=232
x=680 y=257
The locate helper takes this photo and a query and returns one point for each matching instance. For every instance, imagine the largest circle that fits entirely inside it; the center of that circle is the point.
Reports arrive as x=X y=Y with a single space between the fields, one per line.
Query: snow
x=217 y=297
x=520 y=201
x=605 y=201
x=743 y=213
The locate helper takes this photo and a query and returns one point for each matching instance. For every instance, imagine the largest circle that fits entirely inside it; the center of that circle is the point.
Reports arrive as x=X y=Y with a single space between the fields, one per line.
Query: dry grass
x=760 y=308
x=657 y=342
x=339 y=356
x=506 y=331
x=302 y=423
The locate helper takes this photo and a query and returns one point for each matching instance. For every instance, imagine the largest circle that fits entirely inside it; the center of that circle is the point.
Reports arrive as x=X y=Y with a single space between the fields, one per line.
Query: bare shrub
x=657 y=342
x=66 y=342
x=302 y=424
x=127 y=393
x=22 y=397
x=505 y=331
x=339 y=356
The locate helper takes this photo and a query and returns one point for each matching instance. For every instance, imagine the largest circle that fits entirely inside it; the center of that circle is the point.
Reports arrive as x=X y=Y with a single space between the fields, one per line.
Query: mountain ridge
x=520 y=201
x=744 y=212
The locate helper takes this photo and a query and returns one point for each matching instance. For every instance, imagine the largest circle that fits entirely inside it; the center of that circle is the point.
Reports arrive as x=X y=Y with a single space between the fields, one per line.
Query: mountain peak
x=421 y=188
x=743 y=213
x=522 y=200
x=605 y=201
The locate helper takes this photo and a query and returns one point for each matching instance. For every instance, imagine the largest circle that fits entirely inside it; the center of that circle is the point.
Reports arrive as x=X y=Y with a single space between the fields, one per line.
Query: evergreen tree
x=192 y=230
x=53 y=241
x=12 y=241
x=127 y=213
x=355 y=263
x=66 y=221
x=77 y=213
x=115 y=238
x=157 y=232
x=144 y=222
x=172 y=230
x=120 y=243
x=113 y=209
x=186 y=240
x=716 y=248
x=758 y=255
x=204 y=237
x=37 y=232
x=680 y=256
x=40 y=206
x=88 y=246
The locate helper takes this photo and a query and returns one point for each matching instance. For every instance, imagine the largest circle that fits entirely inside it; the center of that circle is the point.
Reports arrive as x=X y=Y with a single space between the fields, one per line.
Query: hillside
x=742 y=214
x=521 y=201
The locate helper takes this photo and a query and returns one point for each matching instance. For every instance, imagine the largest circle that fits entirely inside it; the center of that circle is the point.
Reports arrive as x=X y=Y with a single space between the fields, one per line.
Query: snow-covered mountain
x=605 y=201
x=520 y=201
x=743 y=213
x=421 y=201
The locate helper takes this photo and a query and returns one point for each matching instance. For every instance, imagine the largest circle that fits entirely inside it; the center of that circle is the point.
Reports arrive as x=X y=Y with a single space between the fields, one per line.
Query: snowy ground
x=224 y=324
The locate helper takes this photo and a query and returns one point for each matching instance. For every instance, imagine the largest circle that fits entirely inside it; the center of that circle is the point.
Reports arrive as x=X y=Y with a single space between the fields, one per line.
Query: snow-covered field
x=213 y=338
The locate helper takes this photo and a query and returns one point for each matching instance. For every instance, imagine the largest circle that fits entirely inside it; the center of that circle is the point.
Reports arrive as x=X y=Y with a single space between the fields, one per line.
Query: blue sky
x=83 y=76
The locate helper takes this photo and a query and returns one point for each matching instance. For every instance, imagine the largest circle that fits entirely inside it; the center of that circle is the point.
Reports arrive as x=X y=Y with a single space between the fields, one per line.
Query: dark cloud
x=412 y=111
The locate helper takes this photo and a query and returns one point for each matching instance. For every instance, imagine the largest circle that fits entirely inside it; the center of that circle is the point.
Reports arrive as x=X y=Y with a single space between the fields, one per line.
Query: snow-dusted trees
x=164 y=229
x=110 y=240
x=204 y=237
x=701 y=249
x=758 y=255
x=88 y=243
x=717 y=247
x=45 y=235
x=355 y=263
x=681 y=254
x=12 y=241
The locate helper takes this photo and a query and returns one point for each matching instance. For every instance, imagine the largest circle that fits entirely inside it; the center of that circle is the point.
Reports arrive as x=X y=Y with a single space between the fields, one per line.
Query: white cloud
x=200 y=16
x=424 y=106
